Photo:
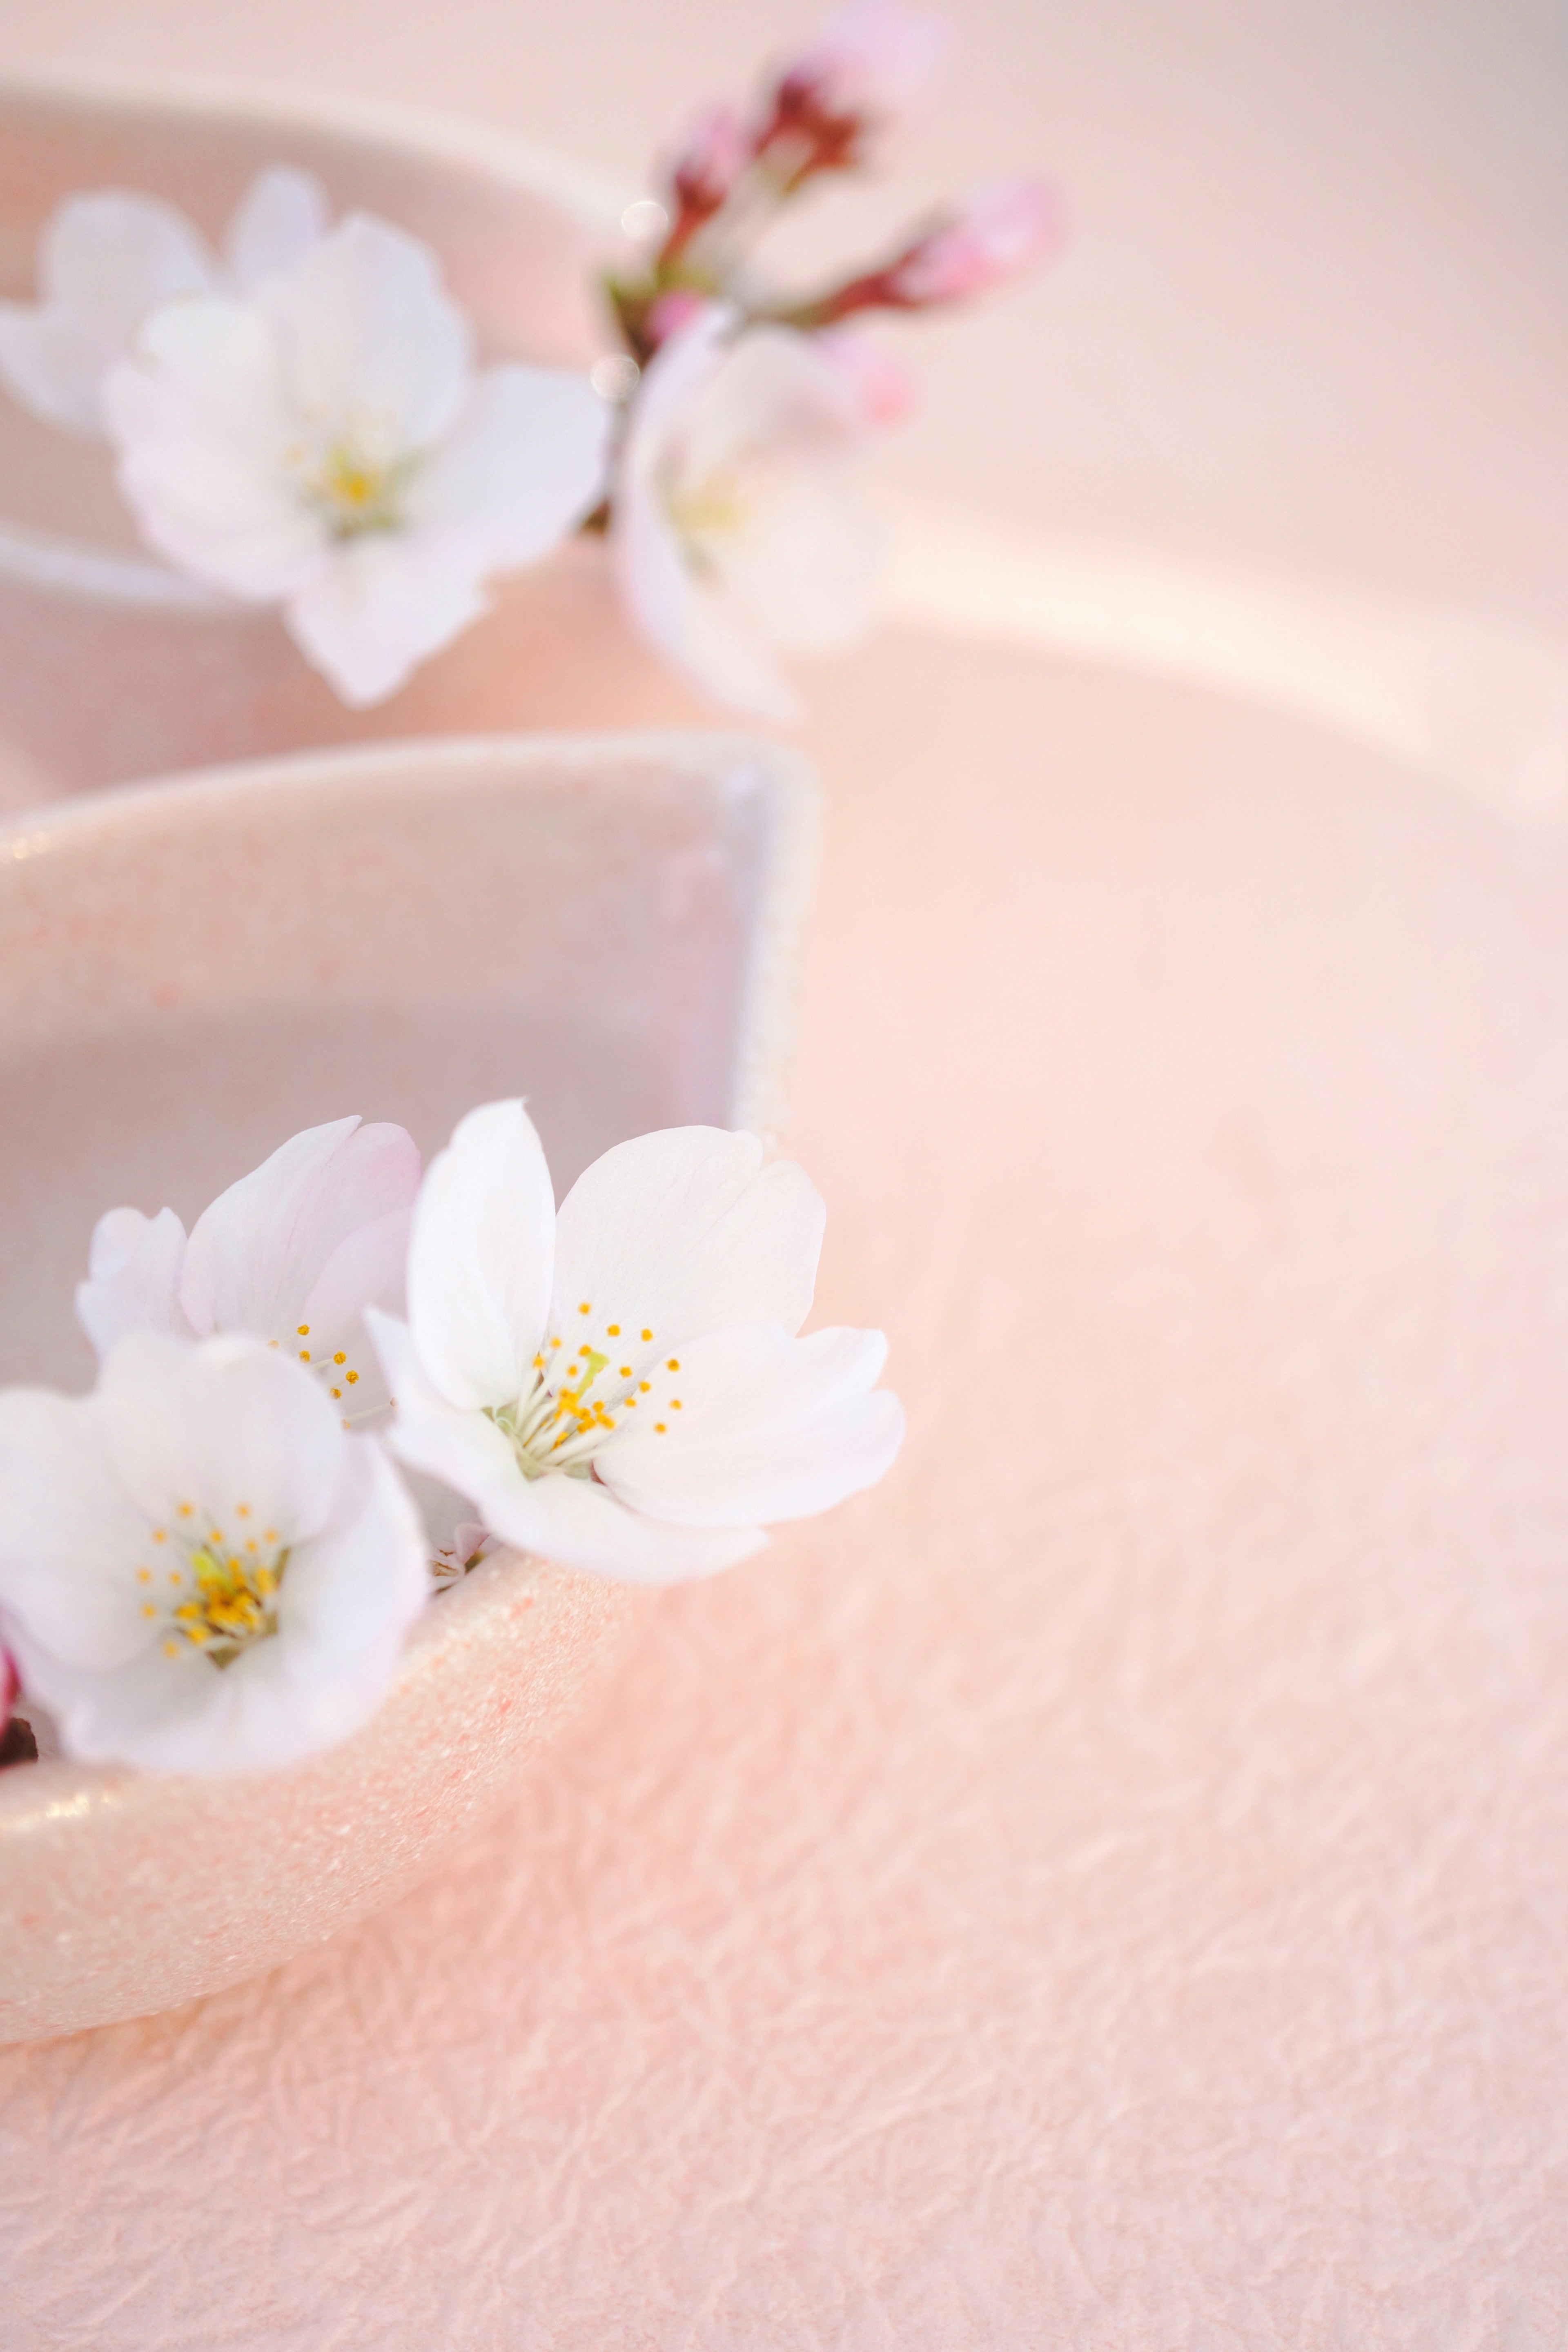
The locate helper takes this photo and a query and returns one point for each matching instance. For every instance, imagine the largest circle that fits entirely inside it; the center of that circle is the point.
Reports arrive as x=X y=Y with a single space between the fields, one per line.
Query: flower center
x=356 y=481
x=582 y=1395
x=213 y=1590
x=718 y=507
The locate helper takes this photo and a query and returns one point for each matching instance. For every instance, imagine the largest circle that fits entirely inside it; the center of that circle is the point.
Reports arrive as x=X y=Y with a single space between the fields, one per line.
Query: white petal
x=204 y=434
x=681 y=616
x=222 y=1424
x=773 y=394
x=134 y=1277
x=768 y=1428
x=368 y=332
x=481 y=1258
x=581 y=1524
x=803 y=572
x=111 y=258
x=347 y=1599
x=258 y=1255
x=572 y=1520
x=523 y=464
x=683 y=1232
x=54 y=363
x=69 y=1539
x=283 y=214
x=381 y=604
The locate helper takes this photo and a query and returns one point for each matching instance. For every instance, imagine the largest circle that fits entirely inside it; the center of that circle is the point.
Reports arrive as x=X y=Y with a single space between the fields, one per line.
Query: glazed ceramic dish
x=180 y=676
x=190 y=973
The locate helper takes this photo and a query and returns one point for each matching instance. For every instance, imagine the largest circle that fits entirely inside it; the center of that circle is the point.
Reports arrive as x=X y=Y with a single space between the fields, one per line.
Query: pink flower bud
x=710 y=160
x=997 y=233
x=883 y=389
x=870 y=66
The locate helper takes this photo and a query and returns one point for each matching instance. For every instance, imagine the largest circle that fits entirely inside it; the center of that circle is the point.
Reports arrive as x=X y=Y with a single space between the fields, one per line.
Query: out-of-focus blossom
x=620 y=1387
x=106 y=260
x=293 y=1254
x=866 y=72
x=200 y=1570
x=328 y=447
x=708 y=165
x=994 y=234
x=884 y=389
x=736 y=534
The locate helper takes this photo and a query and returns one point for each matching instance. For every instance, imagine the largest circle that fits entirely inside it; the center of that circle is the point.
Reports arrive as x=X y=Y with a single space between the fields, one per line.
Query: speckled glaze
x=113 y=666
x=191 y=971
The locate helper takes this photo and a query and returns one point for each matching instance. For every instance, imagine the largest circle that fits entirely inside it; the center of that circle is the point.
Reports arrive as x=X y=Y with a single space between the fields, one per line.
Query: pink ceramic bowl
x=191 y=971
x=113 y=666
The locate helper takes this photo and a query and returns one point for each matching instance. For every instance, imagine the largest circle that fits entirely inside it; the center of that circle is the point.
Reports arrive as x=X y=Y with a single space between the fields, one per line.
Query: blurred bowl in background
x=112 y=664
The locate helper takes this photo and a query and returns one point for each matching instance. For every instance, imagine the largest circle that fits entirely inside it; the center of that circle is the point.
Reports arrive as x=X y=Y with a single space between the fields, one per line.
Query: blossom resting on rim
x=620 y=1387
x=200 y=1570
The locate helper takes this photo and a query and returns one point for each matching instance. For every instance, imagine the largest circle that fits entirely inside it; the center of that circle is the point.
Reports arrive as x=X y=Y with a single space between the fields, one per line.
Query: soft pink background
x=1110 y=1890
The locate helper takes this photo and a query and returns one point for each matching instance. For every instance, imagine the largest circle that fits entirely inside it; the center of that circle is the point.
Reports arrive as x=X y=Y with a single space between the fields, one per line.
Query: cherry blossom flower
x=328 y=446
x=709 y=161
x=292 y=1253
x=106 y=260
x=867 y=71
x=995 y=233
x=200 y=1570
x=620 y=1387
x=736 y=533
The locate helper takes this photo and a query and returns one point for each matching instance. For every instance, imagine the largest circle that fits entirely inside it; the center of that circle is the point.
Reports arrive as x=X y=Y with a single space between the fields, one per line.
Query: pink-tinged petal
x=69 y=1540
x=883 y=389
x=683 y=1231
x=767 y=1428
x=366 y=329
x=258 y=1256
x=380 y=606
x=773 y=398
x=54 y=363
x=110 y=257
x=134 y=1266
x=224 y=1423
x=522 y=466
x=281 y=216
x=481 y=1258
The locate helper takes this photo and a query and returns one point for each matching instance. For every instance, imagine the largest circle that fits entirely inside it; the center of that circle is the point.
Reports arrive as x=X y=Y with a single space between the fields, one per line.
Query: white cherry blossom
x=293 y=1254
x=620 y=1387
x=329 y=447
x=737 y=531
x=200 y=1570
x=107 y=259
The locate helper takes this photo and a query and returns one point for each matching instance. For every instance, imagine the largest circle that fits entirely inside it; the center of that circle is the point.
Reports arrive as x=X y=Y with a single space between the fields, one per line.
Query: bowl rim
x=590 y=201
x=717 y=756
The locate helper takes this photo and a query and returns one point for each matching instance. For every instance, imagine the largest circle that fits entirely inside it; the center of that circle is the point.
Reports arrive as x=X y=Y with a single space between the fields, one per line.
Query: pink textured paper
x=1110 y=1889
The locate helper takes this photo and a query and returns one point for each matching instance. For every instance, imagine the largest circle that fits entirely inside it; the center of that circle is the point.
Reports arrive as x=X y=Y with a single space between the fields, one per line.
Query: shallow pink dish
x=112 y=664
x=191 y=971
